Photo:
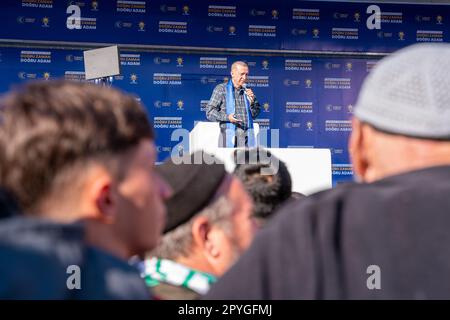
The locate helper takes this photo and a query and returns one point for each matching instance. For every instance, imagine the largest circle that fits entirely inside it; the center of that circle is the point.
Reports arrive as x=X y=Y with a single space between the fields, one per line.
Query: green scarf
x=156 y=271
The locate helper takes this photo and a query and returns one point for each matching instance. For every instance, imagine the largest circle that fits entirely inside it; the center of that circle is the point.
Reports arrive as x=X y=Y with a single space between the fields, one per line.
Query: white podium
x=205 y=136
x=310 y=168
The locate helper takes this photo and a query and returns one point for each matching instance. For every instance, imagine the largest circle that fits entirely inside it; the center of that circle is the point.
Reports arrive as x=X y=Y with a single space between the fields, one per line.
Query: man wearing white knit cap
x=386 y=237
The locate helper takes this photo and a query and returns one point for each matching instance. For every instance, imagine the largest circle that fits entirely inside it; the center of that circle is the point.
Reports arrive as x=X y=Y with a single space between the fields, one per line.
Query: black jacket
x=35 y=255
x=323 y=246
x=8 y=205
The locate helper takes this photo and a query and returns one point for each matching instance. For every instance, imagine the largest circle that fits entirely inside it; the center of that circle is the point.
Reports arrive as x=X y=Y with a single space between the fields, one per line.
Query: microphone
x=244 y=87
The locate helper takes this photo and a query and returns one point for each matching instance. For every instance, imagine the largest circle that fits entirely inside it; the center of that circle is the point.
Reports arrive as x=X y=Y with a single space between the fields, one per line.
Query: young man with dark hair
x=75 y=152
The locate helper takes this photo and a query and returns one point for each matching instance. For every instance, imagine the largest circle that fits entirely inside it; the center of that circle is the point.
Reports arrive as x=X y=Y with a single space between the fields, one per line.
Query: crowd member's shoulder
x=323 y=209
x=369 y=200
x=38 y=256
x=35 y=255
x=166 y=291
x=8 y=205
x=108 y=277
x=312 y=204
x=43 y=236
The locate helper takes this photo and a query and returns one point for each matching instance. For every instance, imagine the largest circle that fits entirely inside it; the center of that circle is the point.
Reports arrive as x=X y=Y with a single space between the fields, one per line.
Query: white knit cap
x=408 y=93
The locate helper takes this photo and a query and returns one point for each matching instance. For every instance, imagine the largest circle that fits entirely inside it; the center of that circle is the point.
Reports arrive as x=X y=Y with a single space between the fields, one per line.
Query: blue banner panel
x=251 y=24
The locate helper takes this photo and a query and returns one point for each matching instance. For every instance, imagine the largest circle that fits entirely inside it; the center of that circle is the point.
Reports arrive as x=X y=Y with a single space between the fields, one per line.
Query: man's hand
x=250 y=95
x=232 y=119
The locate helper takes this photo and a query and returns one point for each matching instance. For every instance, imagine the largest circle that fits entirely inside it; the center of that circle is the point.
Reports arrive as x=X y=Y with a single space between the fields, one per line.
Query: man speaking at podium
x=234 y=106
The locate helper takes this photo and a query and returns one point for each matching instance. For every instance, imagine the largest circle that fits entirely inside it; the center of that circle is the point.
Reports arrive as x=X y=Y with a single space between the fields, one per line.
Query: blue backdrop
x=309 y=98
x=250 y=24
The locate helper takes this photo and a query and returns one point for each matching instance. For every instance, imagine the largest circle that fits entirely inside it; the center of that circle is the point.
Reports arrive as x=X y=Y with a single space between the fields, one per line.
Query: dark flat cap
x=193 y=187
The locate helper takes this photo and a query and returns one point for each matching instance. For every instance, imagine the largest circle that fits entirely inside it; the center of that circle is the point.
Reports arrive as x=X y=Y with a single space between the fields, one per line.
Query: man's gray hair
x=238 y=63
x=178 y=242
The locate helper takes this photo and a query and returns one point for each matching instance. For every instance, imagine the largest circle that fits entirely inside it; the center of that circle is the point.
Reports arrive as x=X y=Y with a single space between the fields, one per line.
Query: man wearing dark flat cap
x=209 y=225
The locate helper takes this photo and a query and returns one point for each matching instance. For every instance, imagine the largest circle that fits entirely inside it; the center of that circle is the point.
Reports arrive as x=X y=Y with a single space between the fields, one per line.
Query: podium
x=205 y=136
x=310 y=168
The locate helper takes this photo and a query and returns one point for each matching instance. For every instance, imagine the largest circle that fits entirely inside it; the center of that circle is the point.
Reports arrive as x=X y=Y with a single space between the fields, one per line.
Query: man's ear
x=100 y=198
x=106 y=204
x=201 y=233
x=357 y=150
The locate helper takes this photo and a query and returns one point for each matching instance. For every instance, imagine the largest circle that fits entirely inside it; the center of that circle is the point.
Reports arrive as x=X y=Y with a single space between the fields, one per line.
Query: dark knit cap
x=193 y=187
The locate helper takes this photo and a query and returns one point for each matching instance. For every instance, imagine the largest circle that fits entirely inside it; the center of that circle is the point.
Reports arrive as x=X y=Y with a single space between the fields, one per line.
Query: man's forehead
x=240 y=68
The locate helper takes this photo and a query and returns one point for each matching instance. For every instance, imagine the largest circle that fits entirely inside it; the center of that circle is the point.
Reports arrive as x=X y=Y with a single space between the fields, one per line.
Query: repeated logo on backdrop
x=131 y=6
x=221 y=11
x=213 y=63
x=46 y=4
x=27 y=56
x=127 y=59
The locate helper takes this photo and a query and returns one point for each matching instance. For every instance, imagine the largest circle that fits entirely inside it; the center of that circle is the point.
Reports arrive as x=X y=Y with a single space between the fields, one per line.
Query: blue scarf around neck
x=231 y=127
